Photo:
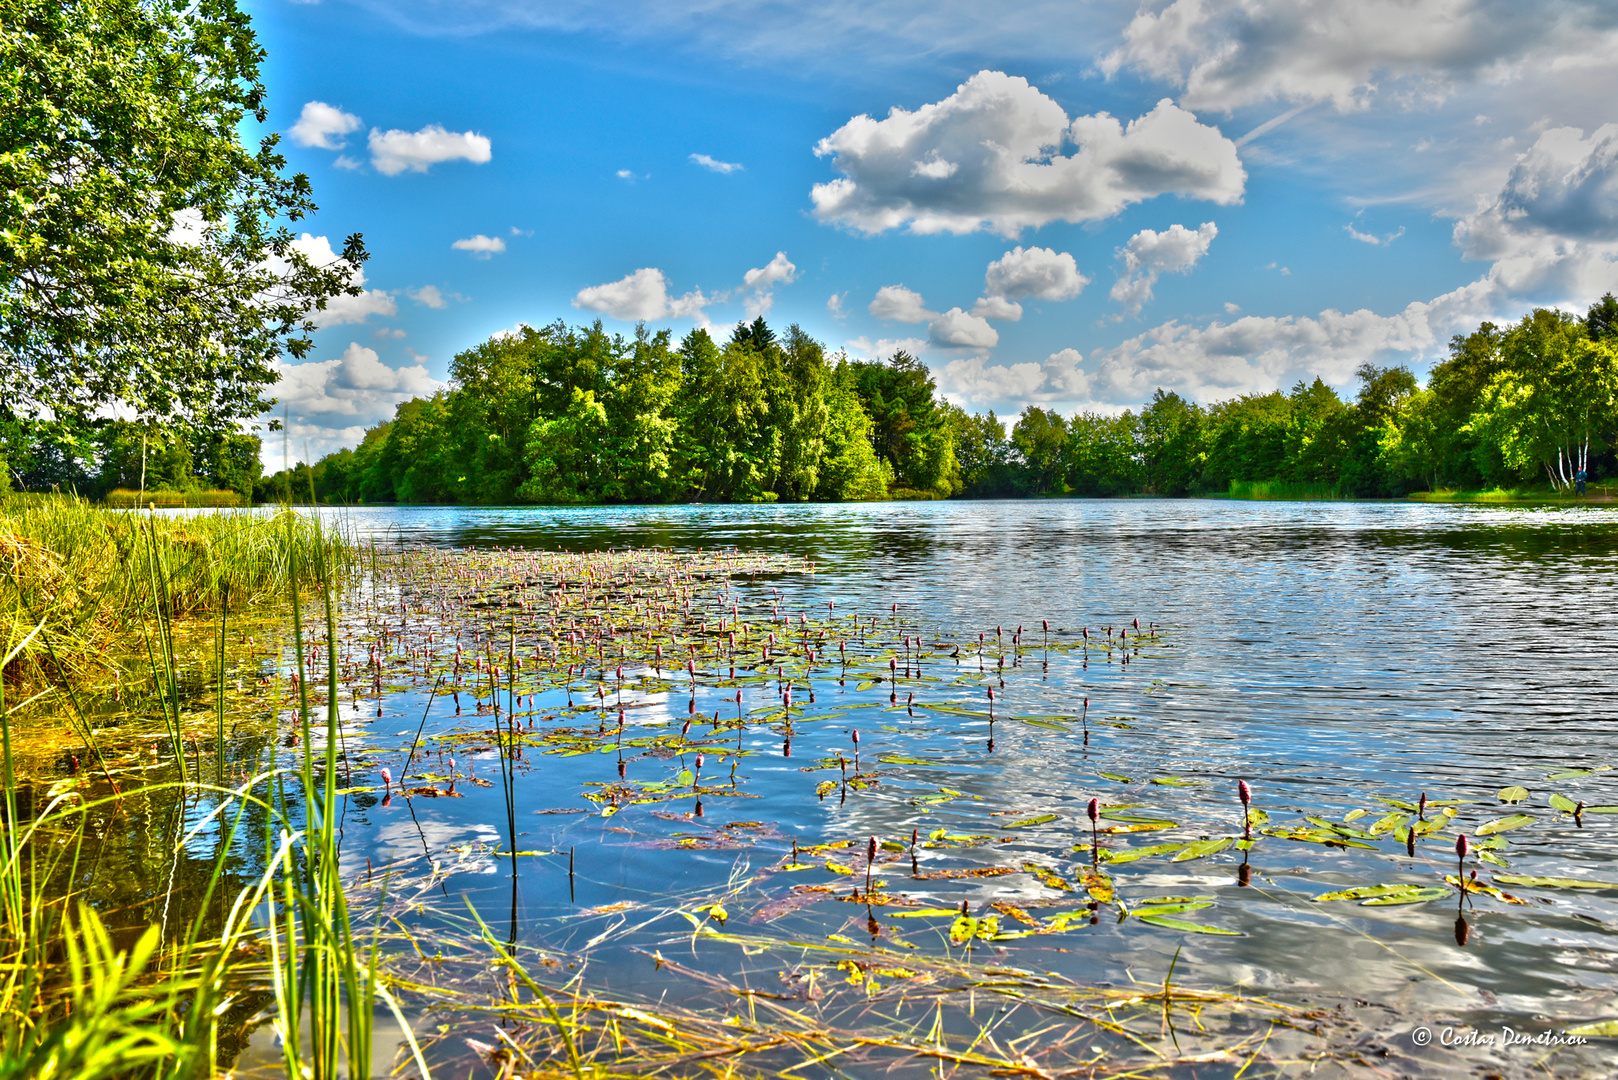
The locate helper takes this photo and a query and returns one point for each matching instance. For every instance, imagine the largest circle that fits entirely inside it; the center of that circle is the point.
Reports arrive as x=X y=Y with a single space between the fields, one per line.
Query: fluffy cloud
x=973 y=381
x=641 y=296
x=330 y=403
x=989 y=156
x=762 y=280
x=341 y=310
x=1024 y=273
x=1149 y=254
x=997 y=307
x=481 y=247
x=428 y=296
x=1226 y=54
x=724 y=167
x=1552 y=228
x=959 y=329
x=900 y=304
x=323 y=125
x=950 y=329
x=394 y=151
x=884 y=348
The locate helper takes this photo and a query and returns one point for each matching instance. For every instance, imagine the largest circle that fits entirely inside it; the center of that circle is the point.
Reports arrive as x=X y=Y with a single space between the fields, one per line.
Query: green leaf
x=1170 y=909
x=1115 y=776
x=1189 y=927
x=1022 y=823
x=1513 y=794
x=962 y=930
x=1491 y=857
x=1202 y=849
x=1138 y=853
x=1515 y=821
x=1176 y=781
x=925 y=913
x=684 y=777
x=1553 y=882
x=1415 y=896
x=1601 y=1029
x=1563 y=803
x=1575 y=774
x=1366 y=892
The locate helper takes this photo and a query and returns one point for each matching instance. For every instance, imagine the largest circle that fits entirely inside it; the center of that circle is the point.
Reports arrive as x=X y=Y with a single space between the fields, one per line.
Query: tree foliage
x=146 y=254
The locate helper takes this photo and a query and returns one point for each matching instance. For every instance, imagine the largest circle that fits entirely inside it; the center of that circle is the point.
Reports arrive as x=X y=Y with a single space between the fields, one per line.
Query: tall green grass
x=84 y=1001
x=88 y=577
x=1283 y=490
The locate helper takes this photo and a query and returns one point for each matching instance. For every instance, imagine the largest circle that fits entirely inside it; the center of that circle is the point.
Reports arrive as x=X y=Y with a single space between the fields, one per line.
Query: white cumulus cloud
x=763 y=279
x=1029 y=273
x=343 y=309
x=900 y=304
x=1149 y=254
x=323 y=126
x=961 y=329
x=641 y=296
x=481 y=247
x=428 y=296
x=989 y=156
x=1552 y=228
x=1226 y=54
x=997 y=307
x=713 y=163
x=330 y=403
x=394 y=151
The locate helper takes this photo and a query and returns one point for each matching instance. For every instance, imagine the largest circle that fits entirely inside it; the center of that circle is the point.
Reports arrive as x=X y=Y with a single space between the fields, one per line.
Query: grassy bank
x=124 y=499
x=95 y=582
x=1283 y=490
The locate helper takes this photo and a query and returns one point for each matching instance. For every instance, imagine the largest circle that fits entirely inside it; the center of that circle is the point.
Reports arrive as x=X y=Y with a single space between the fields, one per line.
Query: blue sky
x=1066 y=204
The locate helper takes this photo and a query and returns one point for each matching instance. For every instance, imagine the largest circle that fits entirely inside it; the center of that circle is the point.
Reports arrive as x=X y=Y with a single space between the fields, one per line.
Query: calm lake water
x=1329 y=654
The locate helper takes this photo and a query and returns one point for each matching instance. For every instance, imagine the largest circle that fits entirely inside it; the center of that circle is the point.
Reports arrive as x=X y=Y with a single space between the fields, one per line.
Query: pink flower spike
x=1247 y=792
x=387 y=779
x=1462 y=845
x=1095 y=809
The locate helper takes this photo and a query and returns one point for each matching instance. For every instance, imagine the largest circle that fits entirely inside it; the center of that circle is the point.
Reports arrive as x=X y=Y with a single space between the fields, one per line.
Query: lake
x=1344 y=659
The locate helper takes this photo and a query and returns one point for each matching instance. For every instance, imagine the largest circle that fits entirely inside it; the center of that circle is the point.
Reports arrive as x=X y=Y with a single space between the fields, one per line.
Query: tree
x=1171 y=444
x=1039 y=435
x=145 y=253
x=1602 y=320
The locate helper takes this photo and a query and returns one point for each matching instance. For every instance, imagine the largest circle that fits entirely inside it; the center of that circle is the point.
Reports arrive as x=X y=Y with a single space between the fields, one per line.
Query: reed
x=85 y=576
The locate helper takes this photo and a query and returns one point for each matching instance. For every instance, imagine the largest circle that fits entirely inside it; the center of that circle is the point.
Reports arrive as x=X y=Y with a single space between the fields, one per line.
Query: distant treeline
x=577 y=415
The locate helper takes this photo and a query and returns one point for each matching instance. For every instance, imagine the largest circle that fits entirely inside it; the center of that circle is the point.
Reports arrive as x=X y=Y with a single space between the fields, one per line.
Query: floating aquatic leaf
x=1022 y=823
x=1563 y=803
x=1098 y=885
x=1553 y=882
x=1047 y=876
x=1354 y=815
x=1415 y=896
x=1189 y=927
x=1115 y=776
x=838 y=868
x=1176 y=781
x=1340 y=830
x=926 y=913
x=962 y=930
x=1388 y=823
x=1601 y=1029
x=1367 y=892
x=825 y=787
x=1138 y=853
x=895 y=759
x=1513 y=794
x=1149 y=825
x=1575 y=774
x=1515 y=821
x=1475 y=886
x=1601 y=809
x=1171 y=905
x=1491 y=857
x=1315 y=836
x=1014 y=912
x=683 y=777
x=1203 y=848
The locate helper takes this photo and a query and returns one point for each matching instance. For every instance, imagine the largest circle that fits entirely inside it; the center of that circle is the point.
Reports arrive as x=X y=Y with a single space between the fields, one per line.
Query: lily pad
x=1563 y=803
x=1139 y=853
x=1023 y=823
x=1513 y=794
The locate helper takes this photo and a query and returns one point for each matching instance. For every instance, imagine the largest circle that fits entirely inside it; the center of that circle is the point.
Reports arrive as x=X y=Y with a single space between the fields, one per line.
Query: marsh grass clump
x=89 y=579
